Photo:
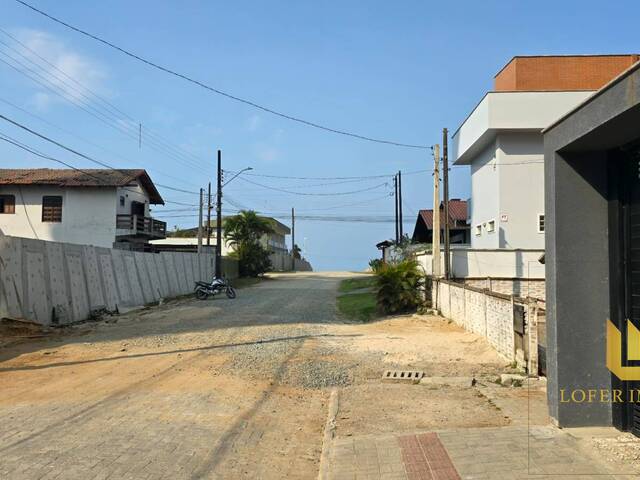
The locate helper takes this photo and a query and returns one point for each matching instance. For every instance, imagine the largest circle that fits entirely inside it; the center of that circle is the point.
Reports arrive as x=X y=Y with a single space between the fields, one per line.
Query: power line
x=108 y=104
x=313 y=194
x=215 y=90
x=37 y=153
x=75 y=152
x=362 y=177
x=107 y=118
x=68 y=132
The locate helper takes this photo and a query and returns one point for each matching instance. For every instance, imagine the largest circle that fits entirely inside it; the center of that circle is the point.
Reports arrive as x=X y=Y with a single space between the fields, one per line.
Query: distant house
x=187 y=240
x=458 y=226
x=105 y=208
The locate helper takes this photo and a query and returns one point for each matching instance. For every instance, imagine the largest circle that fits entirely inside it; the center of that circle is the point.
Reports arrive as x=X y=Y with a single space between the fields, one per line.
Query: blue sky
x=394 y=70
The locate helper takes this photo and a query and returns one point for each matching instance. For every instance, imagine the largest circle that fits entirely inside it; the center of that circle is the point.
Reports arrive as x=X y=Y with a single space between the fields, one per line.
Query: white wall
x=520 y=158
x=132 y=193
x=88 y=215
x=498 y=263
x=485 y=192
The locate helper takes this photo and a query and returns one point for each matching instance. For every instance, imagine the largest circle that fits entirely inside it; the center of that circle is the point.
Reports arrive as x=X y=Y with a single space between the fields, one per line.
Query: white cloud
x=81 y=73
x=253 y=123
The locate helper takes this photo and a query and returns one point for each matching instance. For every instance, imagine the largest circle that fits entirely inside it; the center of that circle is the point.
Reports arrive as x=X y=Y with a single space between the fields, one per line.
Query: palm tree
x=246 y=227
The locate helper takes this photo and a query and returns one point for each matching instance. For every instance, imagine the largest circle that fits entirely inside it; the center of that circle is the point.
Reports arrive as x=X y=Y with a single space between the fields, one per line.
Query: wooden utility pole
x=436 y=211
x=293 y=239
x=445 y=182
x=209 y=216
x=400 y=227
x=395 y=197
x=200 y=221
x=219 y=219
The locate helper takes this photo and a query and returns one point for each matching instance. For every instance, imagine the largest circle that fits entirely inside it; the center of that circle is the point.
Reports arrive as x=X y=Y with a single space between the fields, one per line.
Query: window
x=491 y=226
x=478 y=230
x=52 y=209
x=7 y=204
x=541 y=223
x=122 y=200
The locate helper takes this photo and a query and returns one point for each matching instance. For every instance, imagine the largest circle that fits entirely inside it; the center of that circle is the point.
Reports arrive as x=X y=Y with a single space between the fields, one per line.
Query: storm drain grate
x=413 y=376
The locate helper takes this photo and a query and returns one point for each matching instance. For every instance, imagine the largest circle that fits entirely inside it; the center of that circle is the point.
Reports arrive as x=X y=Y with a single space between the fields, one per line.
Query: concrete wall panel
x=94 y=283
x=77 y=284
x=11 y=277
x=37 y=305
x=156 y=288
x=143 y=277
x=108 y=277
x=172 y=273
x=122 y=279
x=58 y=282
x=180 y=271
x=162 y=275
x=132 y=277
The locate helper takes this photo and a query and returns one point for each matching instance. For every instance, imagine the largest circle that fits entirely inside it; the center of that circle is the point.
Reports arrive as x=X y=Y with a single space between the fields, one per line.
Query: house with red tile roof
x=100 y=207
x=459 y=229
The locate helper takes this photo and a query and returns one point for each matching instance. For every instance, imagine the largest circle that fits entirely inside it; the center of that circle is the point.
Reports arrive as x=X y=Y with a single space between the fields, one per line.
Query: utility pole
x=209 y=216
x=445 y=181
x=395 y=186
x=219 y=219
x=400 y=227
x=200 y=221
x=293 y=239
x=436 y=210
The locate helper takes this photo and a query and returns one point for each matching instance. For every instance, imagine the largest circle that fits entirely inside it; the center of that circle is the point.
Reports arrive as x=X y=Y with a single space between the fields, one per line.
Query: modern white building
x=104 y=208
x=501 y=141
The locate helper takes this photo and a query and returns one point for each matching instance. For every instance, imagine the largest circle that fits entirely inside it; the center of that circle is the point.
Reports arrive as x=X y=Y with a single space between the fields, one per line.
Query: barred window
x=7 y=204
x=52 y=209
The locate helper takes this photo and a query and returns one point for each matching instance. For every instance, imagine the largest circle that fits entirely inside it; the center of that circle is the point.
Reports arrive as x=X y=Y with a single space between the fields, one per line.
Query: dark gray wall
x=577 y=244
x=577 y=274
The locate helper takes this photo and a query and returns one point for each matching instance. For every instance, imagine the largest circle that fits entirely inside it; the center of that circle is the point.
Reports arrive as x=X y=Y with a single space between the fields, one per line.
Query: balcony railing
x=140 y=225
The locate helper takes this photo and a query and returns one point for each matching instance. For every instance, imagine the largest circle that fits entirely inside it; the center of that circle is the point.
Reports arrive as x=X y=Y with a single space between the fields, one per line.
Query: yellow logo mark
x=614 y=351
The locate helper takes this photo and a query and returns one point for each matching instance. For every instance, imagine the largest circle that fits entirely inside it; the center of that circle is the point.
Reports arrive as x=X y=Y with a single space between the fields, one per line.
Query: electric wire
x=217 y=91
x=82 y=102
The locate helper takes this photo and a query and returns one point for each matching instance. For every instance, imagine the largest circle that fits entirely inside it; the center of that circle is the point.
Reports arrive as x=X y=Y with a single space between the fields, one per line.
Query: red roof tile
x=457 y=213
x=62 y=177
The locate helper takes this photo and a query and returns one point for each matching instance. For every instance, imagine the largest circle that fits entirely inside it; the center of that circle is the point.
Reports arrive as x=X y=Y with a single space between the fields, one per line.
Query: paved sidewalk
x=501 y=453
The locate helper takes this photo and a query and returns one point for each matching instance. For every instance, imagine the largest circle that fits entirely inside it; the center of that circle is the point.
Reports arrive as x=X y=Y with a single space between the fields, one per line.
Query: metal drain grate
x=412 y=376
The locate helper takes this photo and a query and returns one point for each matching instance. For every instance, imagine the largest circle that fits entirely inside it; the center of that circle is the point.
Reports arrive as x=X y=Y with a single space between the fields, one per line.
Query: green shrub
x=376 y=264
x=253 y=259
x=399 y=287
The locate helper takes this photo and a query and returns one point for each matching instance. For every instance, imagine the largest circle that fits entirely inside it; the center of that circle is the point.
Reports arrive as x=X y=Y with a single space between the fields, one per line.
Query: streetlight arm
x=236 y=175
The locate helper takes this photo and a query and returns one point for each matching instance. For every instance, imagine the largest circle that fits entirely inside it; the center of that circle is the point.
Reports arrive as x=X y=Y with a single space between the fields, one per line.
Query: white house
x=501 y=141
x=105 y=208
x=187 y=240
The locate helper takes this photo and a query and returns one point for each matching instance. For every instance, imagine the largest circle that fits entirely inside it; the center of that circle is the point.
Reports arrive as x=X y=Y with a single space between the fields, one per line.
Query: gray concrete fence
x=61 y=283
x=492 y=315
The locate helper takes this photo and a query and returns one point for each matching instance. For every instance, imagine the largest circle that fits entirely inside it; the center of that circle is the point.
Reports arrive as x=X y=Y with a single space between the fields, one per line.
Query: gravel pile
x=318 y=374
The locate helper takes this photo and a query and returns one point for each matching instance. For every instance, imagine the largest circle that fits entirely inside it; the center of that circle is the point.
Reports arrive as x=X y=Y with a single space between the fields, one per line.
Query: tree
x=296 y=251
x=243 y=232
x=246 y=227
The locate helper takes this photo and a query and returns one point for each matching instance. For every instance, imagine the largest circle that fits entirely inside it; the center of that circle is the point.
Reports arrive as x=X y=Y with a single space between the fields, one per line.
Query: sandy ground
x=233 y=389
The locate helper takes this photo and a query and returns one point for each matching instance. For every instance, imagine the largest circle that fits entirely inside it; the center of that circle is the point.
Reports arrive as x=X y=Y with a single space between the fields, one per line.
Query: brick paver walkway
x=501 y=453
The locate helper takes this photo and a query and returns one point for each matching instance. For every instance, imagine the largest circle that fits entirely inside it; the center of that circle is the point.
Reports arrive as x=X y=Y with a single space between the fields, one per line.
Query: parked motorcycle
x=217 y=285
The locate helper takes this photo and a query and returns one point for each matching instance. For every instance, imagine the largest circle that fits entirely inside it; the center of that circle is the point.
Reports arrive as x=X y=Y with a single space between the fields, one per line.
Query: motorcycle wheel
x=201 y=294
x=231 y=293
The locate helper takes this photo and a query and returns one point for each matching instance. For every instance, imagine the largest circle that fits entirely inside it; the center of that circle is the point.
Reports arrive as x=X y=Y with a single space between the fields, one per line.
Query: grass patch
x=358 y=306
x=351 y=284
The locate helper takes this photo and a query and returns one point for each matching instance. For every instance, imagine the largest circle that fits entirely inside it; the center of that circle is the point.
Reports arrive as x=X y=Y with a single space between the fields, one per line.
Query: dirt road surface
x=230 y=388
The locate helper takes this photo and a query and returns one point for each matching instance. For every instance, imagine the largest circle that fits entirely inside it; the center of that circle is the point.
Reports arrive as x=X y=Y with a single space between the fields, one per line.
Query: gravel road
x=225 y=388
